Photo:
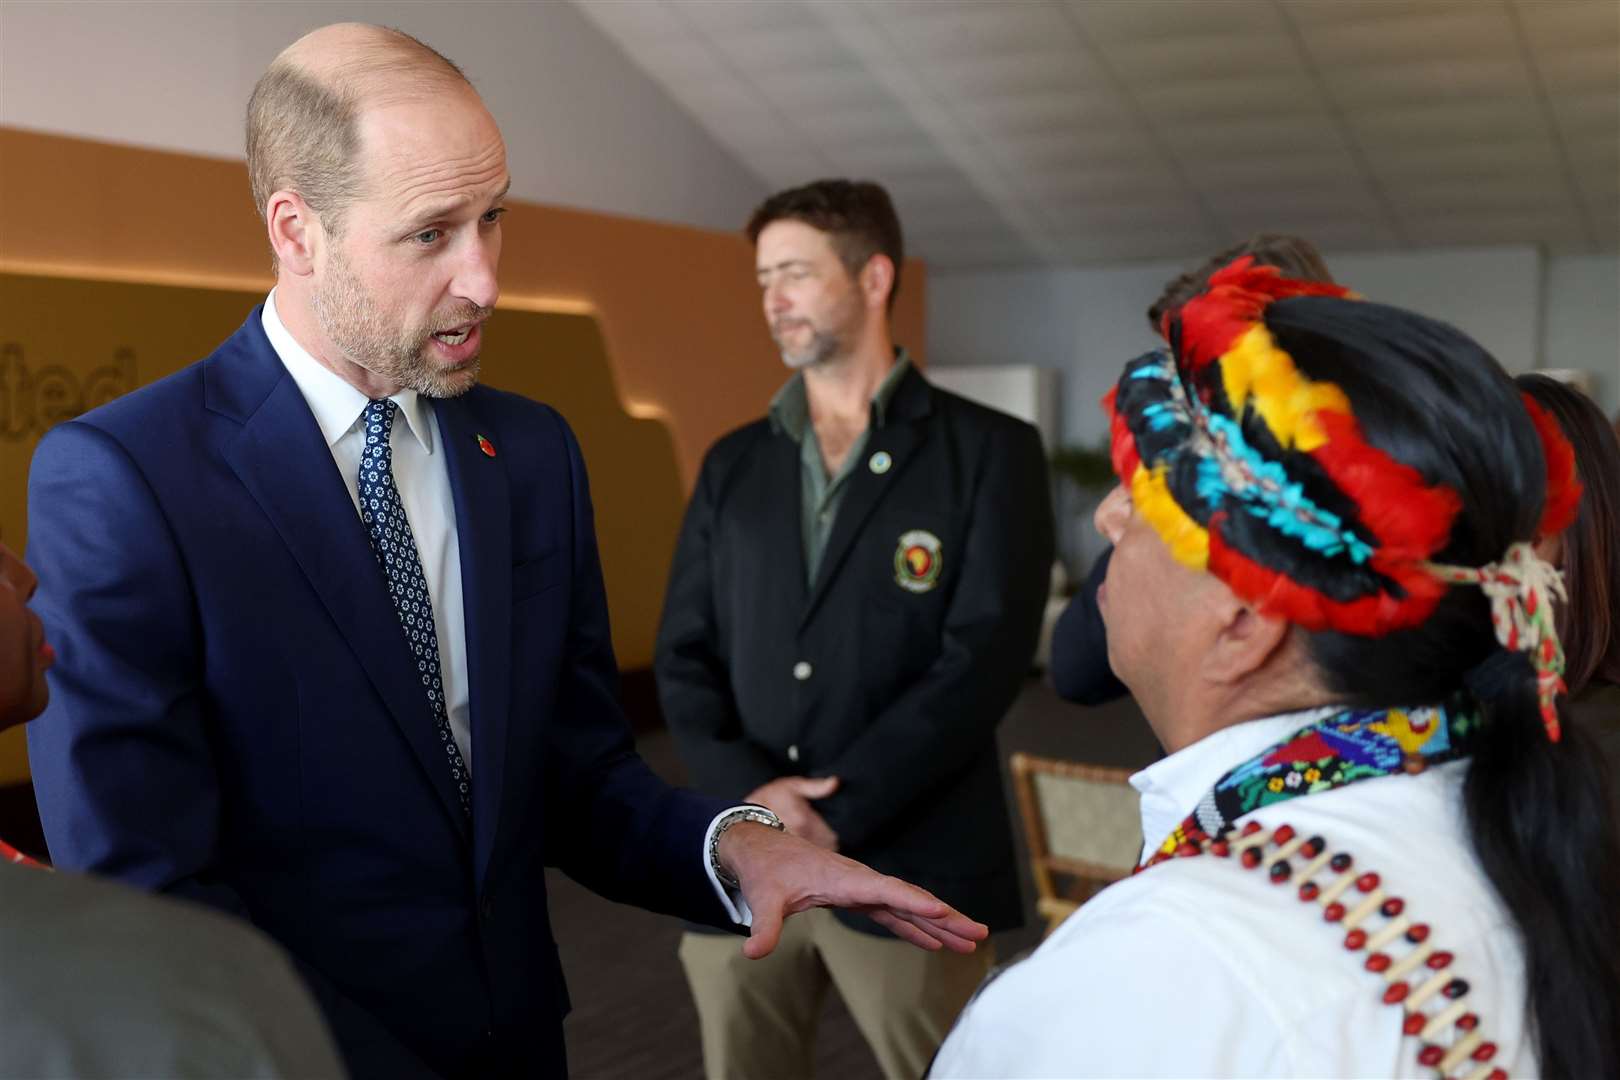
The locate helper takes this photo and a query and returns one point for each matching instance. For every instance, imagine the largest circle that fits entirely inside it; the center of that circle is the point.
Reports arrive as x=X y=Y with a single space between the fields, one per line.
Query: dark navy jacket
x=893 y=684
x=236 y=717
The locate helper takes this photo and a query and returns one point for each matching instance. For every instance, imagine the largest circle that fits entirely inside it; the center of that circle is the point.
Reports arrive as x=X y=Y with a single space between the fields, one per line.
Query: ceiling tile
x=1553 y=27
x=1115 y=22
x=1458 y=122
x=1246 y=95
x=1046 y=130
x=1476 y=30
x=1337 y=13
x=1250 y=135
x=1432 y=81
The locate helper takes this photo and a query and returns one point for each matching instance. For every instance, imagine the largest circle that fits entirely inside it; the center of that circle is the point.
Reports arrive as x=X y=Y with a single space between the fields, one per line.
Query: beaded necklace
x=1343 y=748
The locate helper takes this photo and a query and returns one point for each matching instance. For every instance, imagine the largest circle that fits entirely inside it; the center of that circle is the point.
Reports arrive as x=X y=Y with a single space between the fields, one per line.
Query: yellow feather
x=1187 y=540
x=1256 y=370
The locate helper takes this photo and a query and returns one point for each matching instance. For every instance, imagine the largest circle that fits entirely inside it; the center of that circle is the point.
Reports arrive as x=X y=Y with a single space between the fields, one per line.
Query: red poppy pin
x=486 y=446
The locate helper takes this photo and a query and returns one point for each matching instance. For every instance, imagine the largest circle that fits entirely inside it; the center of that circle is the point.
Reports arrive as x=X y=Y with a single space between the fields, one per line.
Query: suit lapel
x=899 y=438
x=285 y=464
x=864 y=491
x=484 y=538
x=776 y=485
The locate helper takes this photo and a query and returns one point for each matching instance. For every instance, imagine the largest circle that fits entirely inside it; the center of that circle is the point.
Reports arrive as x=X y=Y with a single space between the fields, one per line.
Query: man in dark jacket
x=855 y=600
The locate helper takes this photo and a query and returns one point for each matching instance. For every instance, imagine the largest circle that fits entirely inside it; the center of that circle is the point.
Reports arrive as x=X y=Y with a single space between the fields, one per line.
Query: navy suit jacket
x=1079 y=663
x=236 y=717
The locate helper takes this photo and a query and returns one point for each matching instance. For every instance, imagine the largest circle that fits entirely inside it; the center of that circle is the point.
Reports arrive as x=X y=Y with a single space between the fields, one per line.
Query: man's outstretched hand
x=782 y=874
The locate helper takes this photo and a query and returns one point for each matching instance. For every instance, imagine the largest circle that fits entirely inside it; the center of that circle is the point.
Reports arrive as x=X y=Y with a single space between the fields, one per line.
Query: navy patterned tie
x=395 y=548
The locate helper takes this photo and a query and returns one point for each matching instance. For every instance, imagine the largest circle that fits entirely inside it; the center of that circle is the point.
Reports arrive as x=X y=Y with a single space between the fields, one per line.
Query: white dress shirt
x=1200 y=968
x=423 y=481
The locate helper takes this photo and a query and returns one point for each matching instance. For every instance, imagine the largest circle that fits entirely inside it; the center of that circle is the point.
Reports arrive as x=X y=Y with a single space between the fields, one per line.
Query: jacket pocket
x=535 y=576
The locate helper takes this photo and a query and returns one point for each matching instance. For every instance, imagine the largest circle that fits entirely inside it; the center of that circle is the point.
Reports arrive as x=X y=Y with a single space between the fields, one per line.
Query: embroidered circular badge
x=917 y=561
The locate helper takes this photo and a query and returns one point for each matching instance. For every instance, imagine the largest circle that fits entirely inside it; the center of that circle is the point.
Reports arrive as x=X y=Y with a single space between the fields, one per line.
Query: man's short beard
x=823 y=347
x=842 y=330
x=353 y=322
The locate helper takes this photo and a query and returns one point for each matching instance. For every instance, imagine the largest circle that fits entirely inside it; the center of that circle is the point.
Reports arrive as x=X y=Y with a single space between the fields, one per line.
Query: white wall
x=1528 y=311
x=584 y=127
x=1582 y=321
x=1026 y=391
x=1089 y=322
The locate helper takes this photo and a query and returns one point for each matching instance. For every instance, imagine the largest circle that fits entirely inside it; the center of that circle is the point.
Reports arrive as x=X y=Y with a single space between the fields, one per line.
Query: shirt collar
x=790 y=408
x=1171 y=787
x=336 y=404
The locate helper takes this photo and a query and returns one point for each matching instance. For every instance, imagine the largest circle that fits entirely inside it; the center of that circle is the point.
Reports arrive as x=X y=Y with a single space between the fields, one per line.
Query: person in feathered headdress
x=1374 y=847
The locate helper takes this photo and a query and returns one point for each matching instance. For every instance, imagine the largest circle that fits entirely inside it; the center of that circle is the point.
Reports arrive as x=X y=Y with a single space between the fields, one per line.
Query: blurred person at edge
x=853 y=605
x=1378 y=846
x=99 y=980
x=334 y=641
x=1079 y=657
x=1589 y=554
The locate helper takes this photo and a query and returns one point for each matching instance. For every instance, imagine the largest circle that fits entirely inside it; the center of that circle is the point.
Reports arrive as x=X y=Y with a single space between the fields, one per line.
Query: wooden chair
x=1083 y=828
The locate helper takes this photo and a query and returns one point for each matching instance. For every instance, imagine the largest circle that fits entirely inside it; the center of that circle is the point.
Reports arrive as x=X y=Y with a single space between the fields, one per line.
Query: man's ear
x=1246 y=642
x=876 y=280
x=295 y=231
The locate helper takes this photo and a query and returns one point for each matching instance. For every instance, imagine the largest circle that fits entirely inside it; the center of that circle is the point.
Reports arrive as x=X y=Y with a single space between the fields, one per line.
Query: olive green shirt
x=819 y=493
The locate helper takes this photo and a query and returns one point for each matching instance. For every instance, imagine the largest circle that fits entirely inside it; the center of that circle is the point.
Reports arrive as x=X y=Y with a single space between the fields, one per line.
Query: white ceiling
x=1090 y=131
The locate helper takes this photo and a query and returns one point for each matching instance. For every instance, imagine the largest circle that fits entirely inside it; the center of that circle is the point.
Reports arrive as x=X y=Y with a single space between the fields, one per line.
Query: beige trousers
x=758 y=1017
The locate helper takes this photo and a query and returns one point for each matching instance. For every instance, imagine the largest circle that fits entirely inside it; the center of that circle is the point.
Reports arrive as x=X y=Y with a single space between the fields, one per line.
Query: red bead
x=1333 y=912
x=1393 y=907
x=1485 y=1051
x=1251 y=858
x=1467 y=1021
x=1430 y=1055
x=1309 y=891
x=1441 y=959
x=1280 y=872
x=1367 y=882
x=1341 y=862
x=1418 y=934
x=1498 y=1074
x=1355 y=939
x=1189 y=849
x=1413 y=1023
x=1220 y=849
x=1396 y=993
x=1251 y=828
x=1283 y=834
x=1378 y=962
x=1313 y=847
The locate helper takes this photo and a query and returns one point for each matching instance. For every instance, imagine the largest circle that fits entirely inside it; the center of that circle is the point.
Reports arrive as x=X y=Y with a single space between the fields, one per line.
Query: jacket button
x=793 y=752
x=802 y=670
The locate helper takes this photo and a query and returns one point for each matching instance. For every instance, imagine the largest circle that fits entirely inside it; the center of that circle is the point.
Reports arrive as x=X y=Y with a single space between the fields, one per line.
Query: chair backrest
x=1082 y=824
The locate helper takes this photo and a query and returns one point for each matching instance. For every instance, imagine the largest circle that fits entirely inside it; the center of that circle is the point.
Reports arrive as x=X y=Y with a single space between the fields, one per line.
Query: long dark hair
x=1589 y=624
x=1537 y=810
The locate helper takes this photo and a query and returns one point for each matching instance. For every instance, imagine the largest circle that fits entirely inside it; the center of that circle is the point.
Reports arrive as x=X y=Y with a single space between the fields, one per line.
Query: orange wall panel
x=678 y=306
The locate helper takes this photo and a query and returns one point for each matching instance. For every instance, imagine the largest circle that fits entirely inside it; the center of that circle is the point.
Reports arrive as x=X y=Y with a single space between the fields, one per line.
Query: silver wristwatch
x=758 y=814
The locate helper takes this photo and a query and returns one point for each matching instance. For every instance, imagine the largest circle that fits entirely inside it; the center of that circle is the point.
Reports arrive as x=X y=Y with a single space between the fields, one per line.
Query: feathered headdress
x=1250 y=470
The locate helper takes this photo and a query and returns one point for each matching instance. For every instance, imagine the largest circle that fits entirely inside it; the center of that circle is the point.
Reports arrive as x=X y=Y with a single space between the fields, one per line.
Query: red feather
x=1122 y=444
x=1273 y=594
x=1410 y=519
x=1563 y=483
x=1238 y=294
